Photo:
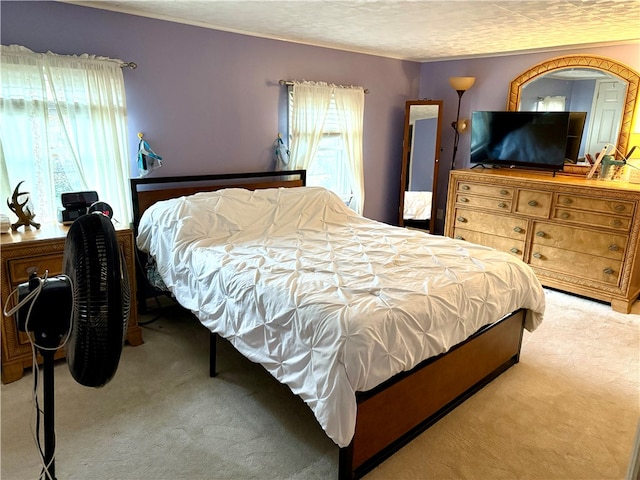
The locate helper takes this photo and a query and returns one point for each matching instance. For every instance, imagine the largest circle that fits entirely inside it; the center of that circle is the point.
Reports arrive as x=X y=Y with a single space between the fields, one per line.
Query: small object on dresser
x=5 y=223
x=75 y=204
x=633 y=170
x=22 y=210
x=610 y=168
x=598 y=160
x=101 y=207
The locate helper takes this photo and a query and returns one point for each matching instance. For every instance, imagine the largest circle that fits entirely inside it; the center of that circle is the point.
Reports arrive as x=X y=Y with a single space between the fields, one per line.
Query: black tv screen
x=519 y=139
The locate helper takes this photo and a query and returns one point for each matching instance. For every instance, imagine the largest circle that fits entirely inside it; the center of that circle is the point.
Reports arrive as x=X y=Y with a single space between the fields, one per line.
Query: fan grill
x=101 y=300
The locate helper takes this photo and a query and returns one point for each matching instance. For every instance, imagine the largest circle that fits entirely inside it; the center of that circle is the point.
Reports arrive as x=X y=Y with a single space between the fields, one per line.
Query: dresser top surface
x=548 y=177
x=47 y=231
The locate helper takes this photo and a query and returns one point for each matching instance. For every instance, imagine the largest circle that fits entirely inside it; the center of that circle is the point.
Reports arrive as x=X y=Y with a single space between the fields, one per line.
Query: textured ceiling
x=419 y=30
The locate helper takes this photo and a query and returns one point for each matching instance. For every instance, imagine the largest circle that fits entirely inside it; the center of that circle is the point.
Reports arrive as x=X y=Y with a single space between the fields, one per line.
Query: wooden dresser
x=578 y=235
x=26 y=251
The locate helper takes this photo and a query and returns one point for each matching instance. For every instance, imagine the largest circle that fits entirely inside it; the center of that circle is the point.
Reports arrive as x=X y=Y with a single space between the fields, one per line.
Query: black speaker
x=78 y=199
x=75 y=204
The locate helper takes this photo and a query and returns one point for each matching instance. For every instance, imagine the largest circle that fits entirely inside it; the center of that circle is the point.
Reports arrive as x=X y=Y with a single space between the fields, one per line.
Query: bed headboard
x=147 y=191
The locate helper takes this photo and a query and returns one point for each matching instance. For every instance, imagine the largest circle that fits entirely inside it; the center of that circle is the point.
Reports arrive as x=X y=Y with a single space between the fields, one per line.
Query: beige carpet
x=568 y=410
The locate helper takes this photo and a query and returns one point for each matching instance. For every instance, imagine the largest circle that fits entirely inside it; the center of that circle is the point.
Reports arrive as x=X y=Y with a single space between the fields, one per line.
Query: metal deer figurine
x=22 y=210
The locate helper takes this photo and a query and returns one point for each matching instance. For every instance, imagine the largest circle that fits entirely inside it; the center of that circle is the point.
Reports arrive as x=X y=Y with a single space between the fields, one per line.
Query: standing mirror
x=603 y=88
x=420 y=159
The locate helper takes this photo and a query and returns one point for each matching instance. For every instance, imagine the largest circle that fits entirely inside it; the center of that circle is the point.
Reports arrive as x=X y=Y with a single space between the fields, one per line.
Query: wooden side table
x=38 y=250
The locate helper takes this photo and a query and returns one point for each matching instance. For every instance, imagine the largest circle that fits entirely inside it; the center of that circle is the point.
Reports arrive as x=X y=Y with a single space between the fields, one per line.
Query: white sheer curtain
x=350 y=108
x=64 y=128
x=310 y=106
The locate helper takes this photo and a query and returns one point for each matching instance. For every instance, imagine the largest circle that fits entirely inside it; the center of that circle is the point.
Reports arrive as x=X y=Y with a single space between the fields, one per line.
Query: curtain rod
x=131 y=65
x=290 y=82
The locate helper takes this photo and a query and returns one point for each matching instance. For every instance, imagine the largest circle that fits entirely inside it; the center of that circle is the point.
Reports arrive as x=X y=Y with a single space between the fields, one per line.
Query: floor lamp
x=460 y=85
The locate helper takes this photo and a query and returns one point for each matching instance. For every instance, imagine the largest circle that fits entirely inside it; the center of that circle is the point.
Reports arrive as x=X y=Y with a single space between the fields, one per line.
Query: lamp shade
x=462 y=125
x=462 y=83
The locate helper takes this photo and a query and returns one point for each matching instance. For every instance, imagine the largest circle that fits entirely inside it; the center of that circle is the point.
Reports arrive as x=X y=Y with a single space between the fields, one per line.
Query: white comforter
x=329 y=302
x=417 y=205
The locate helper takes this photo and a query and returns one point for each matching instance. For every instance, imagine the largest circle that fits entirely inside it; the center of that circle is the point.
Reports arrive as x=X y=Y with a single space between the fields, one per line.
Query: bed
x=380 y=330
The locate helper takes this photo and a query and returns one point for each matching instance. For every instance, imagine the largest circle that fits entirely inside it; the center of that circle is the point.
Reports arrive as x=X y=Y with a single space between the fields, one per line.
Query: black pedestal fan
x=86 y=310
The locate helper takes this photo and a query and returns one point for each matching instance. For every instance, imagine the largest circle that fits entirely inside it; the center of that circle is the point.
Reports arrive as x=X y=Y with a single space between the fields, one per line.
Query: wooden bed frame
x=395 y=412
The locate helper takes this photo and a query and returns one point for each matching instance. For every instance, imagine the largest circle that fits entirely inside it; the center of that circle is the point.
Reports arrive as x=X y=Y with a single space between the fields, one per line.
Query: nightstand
x=37 y=250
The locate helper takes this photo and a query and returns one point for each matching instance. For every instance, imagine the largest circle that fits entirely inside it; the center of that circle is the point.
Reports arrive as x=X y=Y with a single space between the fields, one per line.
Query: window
x=64 y=129
x=550 y=104
x=325 y=134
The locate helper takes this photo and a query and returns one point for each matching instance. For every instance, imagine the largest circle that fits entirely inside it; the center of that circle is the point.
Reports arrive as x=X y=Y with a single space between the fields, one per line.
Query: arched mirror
x=420 y=159
x=603 y=88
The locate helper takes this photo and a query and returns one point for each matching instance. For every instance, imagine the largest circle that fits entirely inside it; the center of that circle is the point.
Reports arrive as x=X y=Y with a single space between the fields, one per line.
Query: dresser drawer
x=576 y=264
x=592 y=204
x=617 y=222
x=20 y=268
x=534 y=203
x=504 y=244
x=487 y=190
x=490 y=203
x=570 y=238
x=491 y=224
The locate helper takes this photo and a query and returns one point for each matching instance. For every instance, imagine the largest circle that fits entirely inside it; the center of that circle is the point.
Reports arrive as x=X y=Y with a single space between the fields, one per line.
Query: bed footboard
x=400 y=409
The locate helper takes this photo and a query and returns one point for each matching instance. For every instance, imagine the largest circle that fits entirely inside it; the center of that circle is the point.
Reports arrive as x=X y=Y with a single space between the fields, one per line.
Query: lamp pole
x=460 y=85
x=456 y=137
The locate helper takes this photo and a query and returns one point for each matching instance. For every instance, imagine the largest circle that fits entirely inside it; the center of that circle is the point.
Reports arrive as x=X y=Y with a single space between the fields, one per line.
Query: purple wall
x=493 y=76
x=209 y=101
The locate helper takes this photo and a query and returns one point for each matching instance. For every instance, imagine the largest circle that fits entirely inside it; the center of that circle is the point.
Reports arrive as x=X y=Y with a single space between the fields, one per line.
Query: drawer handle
x=537 y=255
x=502 y=205
x=608 y=270
x=464 y=187
x=459 y=237
x=619 y=208
x=533 y=203
x=540 y=233
x=614 y=248
x=462 y=219
x=504 y=192
x=517 y=230
x=617 y=223
x=464 y=199
x=565 y=215
x=567 y=201
x=515 y=250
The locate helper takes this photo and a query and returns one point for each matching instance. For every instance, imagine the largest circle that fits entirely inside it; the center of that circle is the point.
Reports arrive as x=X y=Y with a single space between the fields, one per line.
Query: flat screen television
x=520 y=139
